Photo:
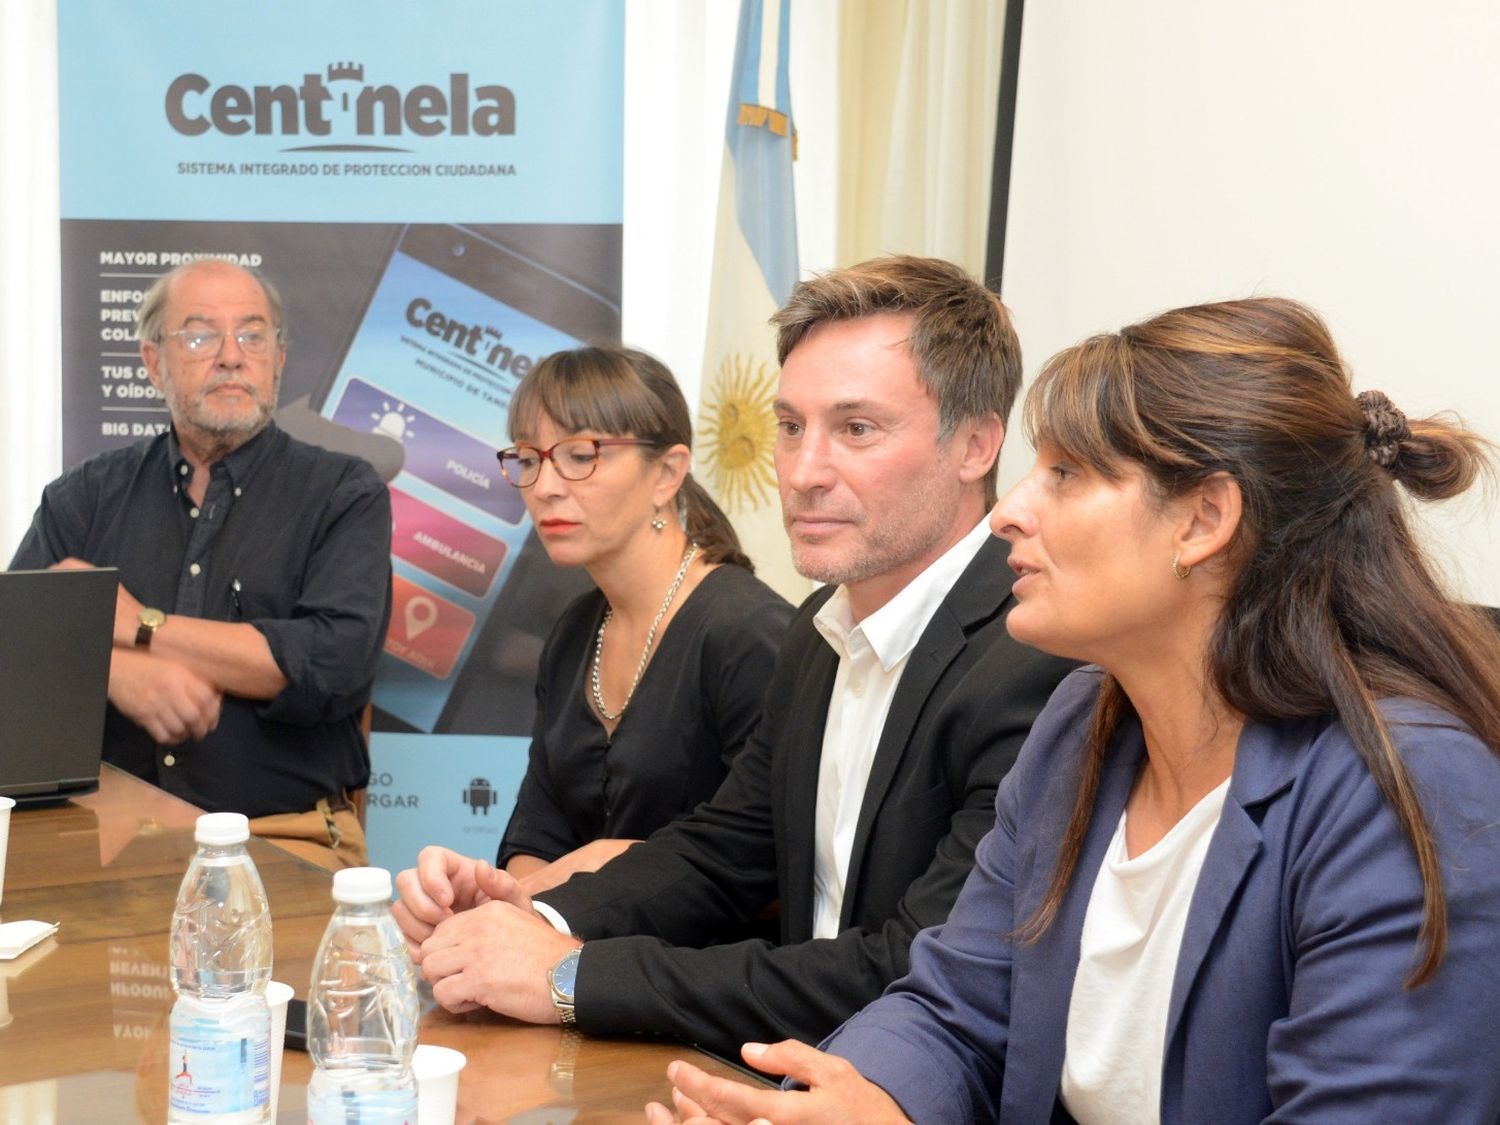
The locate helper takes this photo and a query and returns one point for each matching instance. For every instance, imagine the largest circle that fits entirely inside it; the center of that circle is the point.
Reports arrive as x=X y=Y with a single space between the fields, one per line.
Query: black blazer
x=964 y=706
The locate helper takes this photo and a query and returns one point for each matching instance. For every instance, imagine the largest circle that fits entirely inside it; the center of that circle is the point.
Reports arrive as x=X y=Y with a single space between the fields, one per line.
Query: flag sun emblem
x=738 y=429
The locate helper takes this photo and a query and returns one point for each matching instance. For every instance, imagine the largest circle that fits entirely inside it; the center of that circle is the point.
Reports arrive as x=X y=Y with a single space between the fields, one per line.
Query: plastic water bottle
x=362 y=1010
x=221 y=961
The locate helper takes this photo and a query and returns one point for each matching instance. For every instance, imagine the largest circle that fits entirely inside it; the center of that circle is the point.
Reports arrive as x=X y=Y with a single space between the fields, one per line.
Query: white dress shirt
x=872 y=655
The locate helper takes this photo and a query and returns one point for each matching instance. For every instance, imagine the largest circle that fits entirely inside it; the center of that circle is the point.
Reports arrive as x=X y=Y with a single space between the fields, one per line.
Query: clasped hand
x=473 y=933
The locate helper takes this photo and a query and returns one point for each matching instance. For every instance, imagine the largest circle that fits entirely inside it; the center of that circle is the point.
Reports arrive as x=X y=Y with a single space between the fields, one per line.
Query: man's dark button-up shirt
x=293 y=539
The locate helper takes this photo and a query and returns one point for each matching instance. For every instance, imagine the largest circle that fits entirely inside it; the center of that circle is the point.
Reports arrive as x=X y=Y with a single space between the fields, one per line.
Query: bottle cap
x=220 y=828
x=362 y=884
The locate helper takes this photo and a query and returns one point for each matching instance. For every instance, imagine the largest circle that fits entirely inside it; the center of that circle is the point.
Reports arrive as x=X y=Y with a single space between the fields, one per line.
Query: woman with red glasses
x=650 y=683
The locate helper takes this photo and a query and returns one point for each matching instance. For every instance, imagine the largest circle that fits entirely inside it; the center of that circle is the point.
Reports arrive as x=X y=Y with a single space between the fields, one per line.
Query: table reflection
x=83 y=1016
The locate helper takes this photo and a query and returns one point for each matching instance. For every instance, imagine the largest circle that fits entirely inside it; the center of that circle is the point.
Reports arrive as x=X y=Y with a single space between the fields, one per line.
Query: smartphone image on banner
x=454 y=323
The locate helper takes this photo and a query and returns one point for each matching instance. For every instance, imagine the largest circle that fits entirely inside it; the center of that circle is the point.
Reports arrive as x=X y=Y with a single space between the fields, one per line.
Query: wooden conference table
x=83 y=1015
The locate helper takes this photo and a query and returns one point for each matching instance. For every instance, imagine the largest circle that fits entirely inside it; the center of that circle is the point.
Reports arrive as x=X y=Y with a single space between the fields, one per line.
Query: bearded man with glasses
x=255 y=582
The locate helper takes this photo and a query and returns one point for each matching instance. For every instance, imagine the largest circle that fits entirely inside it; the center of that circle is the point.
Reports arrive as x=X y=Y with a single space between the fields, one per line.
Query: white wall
x=30 y=415
x=1343 y=153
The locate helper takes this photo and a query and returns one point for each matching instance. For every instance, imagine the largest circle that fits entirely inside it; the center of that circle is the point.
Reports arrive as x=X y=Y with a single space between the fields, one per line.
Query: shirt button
x=182 y=470
x=237 y=492
x=858 y=688
x=193 y=512
x=194 y=569
x=169 y=760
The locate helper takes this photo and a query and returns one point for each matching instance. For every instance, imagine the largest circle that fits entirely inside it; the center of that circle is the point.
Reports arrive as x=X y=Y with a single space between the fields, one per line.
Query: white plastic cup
x=277 y=995
x=6 y=804
x=436 y=1070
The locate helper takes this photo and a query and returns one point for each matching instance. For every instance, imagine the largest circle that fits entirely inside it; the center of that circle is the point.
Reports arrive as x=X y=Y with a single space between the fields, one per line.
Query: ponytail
x=708 y=526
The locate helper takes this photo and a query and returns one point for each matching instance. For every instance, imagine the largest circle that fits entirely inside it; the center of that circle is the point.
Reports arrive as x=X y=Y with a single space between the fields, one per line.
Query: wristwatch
x=563 y=978
x=149 y=622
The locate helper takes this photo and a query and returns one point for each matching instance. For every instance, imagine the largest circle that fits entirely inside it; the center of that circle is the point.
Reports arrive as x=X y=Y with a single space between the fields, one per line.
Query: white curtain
x=30 y=427
x=918 y=91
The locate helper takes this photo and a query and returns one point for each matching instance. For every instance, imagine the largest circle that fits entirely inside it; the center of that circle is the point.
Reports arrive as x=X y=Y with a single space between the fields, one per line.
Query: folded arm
x=234 y=658
x=309 y=654
x=328 y=642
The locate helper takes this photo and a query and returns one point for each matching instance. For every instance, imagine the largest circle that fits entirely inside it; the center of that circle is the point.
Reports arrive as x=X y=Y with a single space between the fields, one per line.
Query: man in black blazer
x=897 y=704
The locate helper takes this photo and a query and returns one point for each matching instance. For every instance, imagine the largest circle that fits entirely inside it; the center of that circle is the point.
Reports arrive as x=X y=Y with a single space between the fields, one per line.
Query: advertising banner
x=436 y=192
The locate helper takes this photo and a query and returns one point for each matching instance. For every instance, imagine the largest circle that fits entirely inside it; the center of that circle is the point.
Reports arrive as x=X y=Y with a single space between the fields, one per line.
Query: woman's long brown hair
x=1334 y=606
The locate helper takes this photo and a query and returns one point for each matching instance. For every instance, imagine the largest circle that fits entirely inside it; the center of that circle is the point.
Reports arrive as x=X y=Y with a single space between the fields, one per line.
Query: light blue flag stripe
x=764 y=204
x=747 y=56
x=783 y=63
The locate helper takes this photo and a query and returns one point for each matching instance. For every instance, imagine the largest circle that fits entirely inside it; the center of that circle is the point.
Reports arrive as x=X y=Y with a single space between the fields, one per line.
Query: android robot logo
x=480 y=795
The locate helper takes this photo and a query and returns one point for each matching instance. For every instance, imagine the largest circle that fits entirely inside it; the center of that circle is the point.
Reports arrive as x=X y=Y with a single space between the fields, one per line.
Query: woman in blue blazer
x=1247 y=867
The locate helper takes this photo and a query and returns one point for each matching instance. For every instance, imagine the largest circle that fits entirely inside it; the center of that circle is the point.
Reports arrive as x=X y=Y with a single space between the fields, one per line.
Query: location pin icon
x=421 y=615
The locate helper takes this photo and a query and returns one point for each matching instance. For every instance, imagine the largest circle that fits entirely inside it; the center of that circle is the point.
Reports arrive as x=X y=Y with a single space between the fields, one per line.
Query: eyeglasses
x=208 y=341
x=574 y=459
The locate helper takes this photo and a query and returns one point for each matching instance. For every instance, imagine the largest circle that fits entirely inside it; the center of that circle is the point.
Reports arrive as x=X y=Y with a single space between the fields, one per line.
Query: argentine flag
x=754 y=269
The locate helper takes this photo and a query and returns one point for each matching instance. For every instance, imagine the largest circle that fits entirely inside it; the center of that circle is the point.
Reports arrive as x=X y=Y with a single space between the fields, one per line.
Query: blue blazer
x=1288 y=1002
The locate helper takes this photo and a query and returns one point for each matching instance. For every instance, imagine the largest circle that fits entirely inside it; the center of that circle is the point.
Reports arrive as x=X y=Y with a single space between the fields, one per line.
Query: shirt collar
x=893 y=630
x=240 y=465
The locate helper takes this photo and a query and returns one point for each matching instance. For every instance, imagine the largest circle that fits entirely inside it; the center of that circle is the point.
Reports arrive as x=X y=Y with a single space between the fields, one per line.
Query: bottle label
x=220 y=1066
x=370 y=1097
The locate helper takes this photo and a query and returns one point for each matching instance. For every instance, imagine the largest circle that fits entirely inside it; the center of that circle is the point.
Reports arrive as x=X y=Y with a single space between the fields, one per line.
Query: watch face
x=152 y=618
x=565 y=974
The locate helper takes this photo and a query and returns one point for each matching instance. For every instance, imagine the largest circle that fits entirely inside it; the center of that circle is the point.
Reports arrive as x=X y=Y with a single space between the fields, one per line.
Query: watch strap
x=149 y=621
x=562 y=1000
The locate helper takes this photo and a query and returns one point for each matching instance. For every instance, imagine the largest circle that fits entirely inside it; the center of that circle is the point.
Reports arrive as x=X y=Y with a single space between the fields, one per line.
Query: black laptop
x=56 y=630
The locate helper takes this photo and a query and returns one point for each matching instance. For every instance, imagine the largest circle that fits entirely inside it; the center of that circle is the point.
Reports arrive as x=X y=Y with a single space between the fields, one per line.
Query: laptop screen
x=56 y=631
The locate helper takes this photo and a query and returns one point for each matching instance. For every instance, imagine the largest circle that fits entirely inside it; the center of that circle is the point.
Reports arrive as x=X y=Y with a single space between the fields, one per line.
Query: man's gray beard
x=244 y=428
x=227 y=435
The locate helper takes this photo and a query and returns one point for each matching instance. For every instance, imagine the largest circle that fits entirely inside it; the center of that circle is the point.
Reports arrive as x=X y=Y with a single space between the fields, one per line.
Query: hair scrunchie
x=1385 y=428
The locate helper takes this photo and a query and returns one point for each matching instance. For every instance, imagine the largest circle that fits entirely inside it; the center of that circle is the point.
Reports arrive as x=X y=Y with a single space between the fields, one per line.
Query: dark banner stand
x=1005 y=135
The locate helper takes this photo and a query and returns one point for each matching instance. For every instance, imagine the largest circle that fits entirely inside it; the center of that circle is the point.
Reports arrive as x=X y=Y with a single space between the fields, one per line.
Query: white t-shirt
x=1117 y=1017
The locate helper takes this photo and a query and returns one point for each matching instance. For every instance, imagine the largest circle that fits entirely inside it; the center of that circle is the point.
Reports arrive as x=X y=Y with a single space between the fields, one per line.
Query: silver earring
x=1180 y=571
x=657 y=522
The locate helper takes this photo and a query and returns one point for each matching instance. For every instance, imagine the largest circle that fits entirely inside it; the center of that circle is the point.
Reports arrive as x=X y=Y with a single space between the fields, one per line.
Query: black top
x=291 y=538
x=694 y=708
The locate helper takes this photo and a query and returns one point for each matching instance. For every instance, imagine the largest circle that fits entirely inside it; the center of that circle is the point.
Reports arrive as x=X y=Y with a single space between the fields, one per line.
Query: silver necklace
x=640 y=669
